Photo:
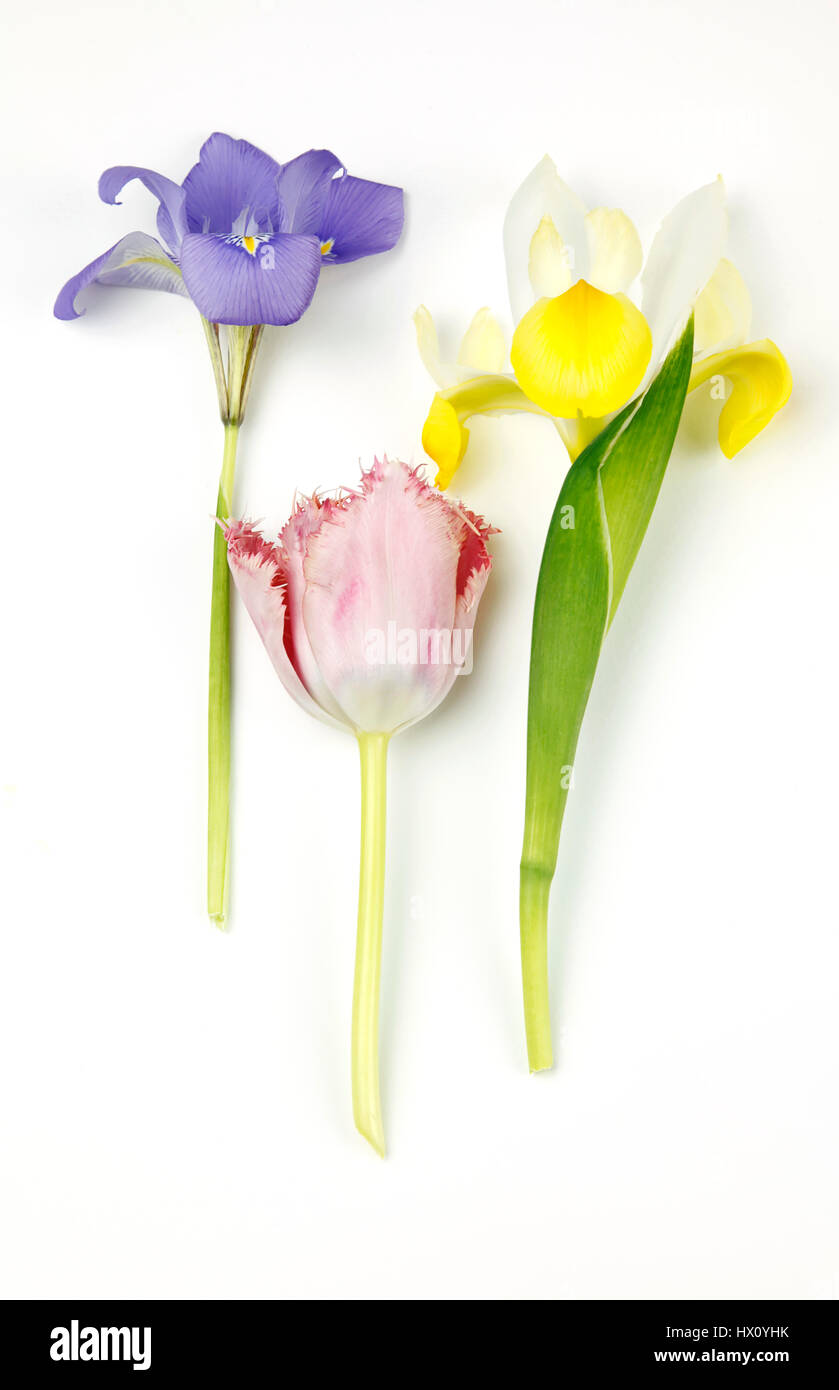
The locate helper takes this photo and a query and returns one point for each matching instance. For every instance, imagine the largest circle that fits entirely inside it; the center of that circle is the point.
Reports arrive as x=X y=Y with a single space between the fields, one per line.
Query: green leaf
x=596 y=530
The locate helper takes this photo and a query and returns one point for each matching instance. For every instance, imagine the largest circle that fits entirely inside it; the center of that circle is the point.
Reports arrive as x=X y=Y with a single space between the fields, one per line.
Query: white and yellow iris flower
x=581 y=347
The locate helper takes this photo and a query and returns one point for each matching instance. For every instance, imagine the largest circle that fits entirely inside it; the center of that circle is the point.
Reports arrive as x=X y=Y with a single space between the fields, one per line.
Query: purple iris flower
x=243 y=236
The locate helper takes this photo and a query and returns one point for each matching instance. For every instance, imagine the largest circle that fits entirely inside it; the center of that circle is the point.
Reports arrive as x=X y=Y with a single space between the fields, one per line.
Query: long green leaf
x=595 y=533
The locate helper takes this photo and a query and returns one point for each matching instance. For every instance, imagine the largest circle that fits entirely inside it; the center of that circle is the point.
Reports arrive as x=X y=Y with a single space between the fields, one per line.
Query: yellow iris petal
x=585 y=351
x=444 y=434
x=444 y=439
x=761 y=383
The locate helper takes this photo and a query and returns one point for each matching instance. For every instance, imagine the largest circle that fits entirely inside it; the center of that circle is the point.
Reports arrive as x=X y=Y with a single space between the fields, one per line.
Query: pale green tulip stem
x=233 y=385
x=367 y=1107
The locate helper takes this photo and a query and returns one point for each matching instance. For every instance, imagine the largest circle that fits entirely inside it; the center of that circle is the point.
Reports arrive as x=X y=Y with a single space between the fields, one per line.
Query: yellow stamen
x=582 y=352
x=249 y=243
x=326 y=246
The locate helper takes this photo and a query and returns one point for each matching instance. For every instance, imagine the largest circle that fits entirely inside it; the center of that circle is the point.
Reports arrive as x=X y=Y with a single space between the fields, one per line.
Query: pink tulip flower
x=366 y=605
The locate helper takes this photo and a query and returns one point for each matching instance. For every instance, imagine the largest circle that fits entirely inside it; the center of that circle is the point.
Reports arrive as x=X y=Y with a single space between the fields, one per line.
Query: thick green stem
x=597 y=527
x=367 y=1108
x=533 y=903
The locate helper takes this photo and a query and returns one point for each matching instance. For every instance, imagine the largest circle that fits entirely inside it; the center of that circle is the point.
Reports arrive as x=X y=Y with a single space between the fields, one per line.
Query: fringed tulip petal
x=389 y=558
x=366 y=605
x=250 y=280
x=542 y=195
x=295 y=539
x=472 y=574
x=584 y=352
x=723 y=314
x=761 y=384
x=259 y=573
x=615 y=251
x=137 y=261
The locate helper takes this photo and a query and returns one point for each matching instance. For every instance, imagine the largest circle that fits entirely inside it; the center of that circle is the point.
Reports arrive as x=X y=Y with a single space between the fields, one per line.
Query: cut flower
x=366 y=604
x=243 y=236
x=327 y=596
x=612 y=375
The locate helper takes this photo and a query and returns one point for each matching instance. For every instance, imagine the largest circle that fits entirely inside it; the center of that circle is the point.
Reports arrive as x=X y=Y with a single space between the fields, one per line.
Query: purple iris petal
x=171 y=218
x=303 y=185
x=360 y=218
x=229 y=285
x=137 y=260
x=231 y=177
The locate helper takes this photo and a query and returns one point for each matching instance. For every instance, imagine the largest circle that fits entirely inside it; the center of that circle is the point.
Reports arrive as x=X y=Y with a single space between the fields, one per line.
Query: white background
x=175 y=1102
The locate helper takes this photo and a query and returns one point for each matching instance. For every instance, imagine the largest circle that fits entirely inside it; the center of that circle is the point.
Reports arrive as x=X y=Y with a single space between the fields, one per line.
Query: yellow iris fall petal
x=583 y=352
x=444 y=439
x=761 y=383
x=444 y=434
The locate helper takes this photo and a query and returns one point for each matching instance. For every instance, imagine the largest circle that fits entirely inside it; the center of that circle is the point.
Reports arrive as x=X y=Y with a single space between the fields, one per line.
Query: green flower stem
x=599 y=522
x=242 y=345
x=218 y=715
x=367 y=1108
x=534 y=893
